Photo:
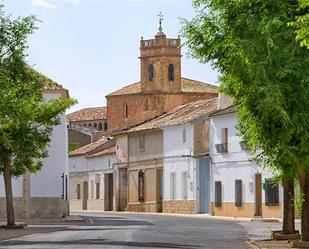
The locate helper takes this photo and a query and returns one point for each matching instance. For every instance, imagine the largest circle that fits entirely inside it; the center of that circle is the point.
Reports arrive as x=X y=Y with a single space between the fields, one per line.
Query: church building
x=161 y=86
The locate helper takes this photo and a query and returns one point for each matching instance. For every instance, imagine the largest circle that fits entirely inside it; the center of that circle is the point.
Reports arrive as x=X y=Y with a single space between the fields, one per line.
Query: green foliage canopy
x=263 y=68
x=301 y=24
x=27 y=117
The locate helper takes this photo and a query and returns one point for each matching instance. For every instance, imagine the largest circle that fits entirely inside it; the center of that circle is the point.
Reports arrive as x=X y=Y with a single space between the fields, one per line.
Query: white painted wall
x=48 y=181
x=96 y=168
x=236 y=164
x=179 y=165
x=173 y=150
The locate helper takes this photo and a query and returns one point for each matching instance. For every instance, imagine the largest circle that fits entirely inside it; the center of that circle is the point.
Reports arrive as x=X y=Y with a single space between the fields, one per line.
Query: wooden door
x=111 y=191
x=258 y=195
x=85 y=195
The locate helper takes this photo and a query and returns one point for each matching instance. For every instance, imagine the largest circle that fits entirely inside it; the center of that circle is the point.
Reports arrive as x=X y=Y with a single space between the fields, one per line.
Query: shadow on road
x=99 y=242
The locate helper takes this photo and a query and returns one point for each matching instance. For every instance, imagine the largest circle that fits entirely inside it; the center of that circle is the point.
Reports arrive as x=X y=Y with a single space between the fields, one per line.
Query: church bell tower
x=160 y=60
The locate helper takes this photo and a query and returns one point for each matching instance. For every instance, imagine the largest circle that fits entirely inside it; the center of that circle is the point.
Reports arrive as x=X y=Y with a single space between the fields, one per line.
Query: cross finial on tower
x=160 y=20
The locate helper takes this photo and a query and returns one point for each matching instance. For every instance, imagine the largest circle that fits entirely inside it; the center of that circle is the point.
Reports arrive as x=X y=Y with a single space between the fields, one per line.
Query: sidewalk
x=39 y=226
x=259 y=234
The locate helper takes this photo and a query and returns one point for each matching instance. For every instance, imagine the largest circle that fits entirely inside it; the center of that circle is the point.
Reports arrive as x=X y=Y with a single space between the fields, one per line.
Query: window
x=173 y=186
x=184 y=185
x=109 y=162
x=89 y=125
x=92 y=189
x=100 y=127
x=184 y=135
x=150 y=73
x=95 y=125
x=171 y=72
x=97 y=186
x=85 y=125
x=105 y=126
x=224 y=135
x=271 y=193
x=218 y=194
x=78 y=191
x=97 y=190
x=125 y=111
x=141 y=186
x=142 y=142
x=223 y=147
x=238 y=193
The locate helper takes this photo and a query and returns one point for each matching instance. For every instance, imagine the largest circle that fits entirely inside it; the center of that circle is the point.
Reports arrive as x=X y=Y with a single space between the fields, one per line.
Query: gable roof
x=229 y=109
x=93 y=148
x=179 y=115
x=87 y=114
x=106 y=152
x=187 y=85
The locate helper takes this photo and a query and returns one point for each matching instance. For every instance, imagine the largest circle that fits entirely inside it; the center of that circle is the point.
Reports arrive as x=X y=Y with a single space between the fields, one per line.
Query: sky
x=91 y=47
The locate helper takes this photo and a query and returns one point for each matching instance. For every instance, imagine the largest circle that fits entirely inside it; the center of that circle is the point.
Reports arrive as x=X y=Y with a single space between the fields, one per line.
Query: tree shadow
x=98 y=242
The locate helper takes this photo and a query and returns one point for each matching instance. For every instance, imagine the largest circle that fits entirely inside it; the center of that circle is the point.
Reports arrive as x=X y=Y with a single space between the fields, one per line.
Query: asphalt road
x=123 y=230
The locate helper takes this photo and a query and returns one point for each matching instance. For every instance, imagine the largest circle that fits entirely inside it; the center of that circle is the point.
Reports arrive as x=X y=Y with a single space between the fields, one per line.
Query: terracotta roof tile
x=229 y=109
x=180 y=115
x=109 y=151
x=187 y=85
x=129 y=89
x=87 y=114
x=93 y=148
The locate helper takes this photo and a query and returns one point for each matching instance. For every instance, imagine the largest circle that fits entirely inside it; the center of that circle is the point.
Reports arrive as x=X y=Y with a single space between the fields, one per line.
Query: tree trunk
x=304 y=186
x=8 y=194
x=288 y=206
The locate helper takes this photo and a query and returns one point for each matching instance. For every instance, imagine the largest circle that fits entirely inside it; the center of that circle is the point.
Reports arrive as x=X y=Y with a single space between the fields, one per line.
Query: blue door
x=204 y=185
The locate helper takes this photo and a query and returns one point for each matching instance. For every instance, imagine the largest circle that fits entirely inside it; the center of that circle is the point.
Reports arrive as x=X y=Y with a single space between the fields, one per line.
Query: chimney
x=224 y=101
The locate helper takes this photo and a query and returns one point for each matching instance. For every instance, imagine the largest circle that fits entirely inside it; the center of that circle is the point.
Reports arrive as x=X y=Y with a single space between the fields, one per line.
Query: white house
x=186 y=167
x=43 y=195
x=239 y=186
x=92 y=176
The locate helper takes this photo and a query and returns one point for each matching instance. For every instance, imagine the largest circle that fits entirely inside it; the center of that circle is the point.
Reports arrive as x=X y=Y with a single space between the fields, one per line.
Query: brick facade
x=137 y=106
x=180 y=206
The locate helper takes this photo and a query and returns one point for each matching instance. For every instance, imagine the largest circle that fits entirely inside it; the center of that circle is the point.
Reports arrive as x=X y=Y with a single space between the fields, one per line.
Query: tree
x=26 y=118
x=301 y=24
x=266 y=72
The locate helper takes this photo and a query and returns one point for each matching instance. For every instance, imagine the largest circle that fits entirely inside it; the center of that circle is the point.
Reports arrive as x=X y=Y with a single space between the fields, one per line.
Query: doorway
x=85 y=195
x=204 y=185
x=258 y=195
x=108 y=191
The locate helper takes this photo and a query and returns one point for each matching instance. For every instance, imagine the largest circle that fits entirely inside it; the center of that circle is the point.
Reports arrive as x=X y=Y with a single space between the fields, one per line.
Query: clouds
x=51 y=3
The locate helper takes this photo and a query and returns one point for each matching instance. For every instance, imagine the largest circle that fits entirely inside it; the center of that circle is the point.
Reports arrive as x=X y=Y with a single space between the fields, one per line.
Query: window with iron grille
x=271 y=193
x=141 y=186
x=97 y=191
x=78 y=191
x=221 y=148
x=218 y=193
x=238 y=193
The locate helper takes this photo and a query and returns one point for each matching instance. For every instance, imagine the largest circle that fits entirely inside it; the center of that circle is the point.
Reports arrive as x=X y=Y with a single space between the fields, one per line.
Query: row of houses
x=163 y=144
x=187 y=160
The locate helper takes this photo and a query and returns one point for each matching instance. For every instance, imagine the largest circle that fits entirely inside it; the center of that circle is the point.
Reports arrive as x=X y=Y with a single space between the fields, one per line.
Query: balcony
x=243 y=145
x=222 y=148
x=160 y=42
